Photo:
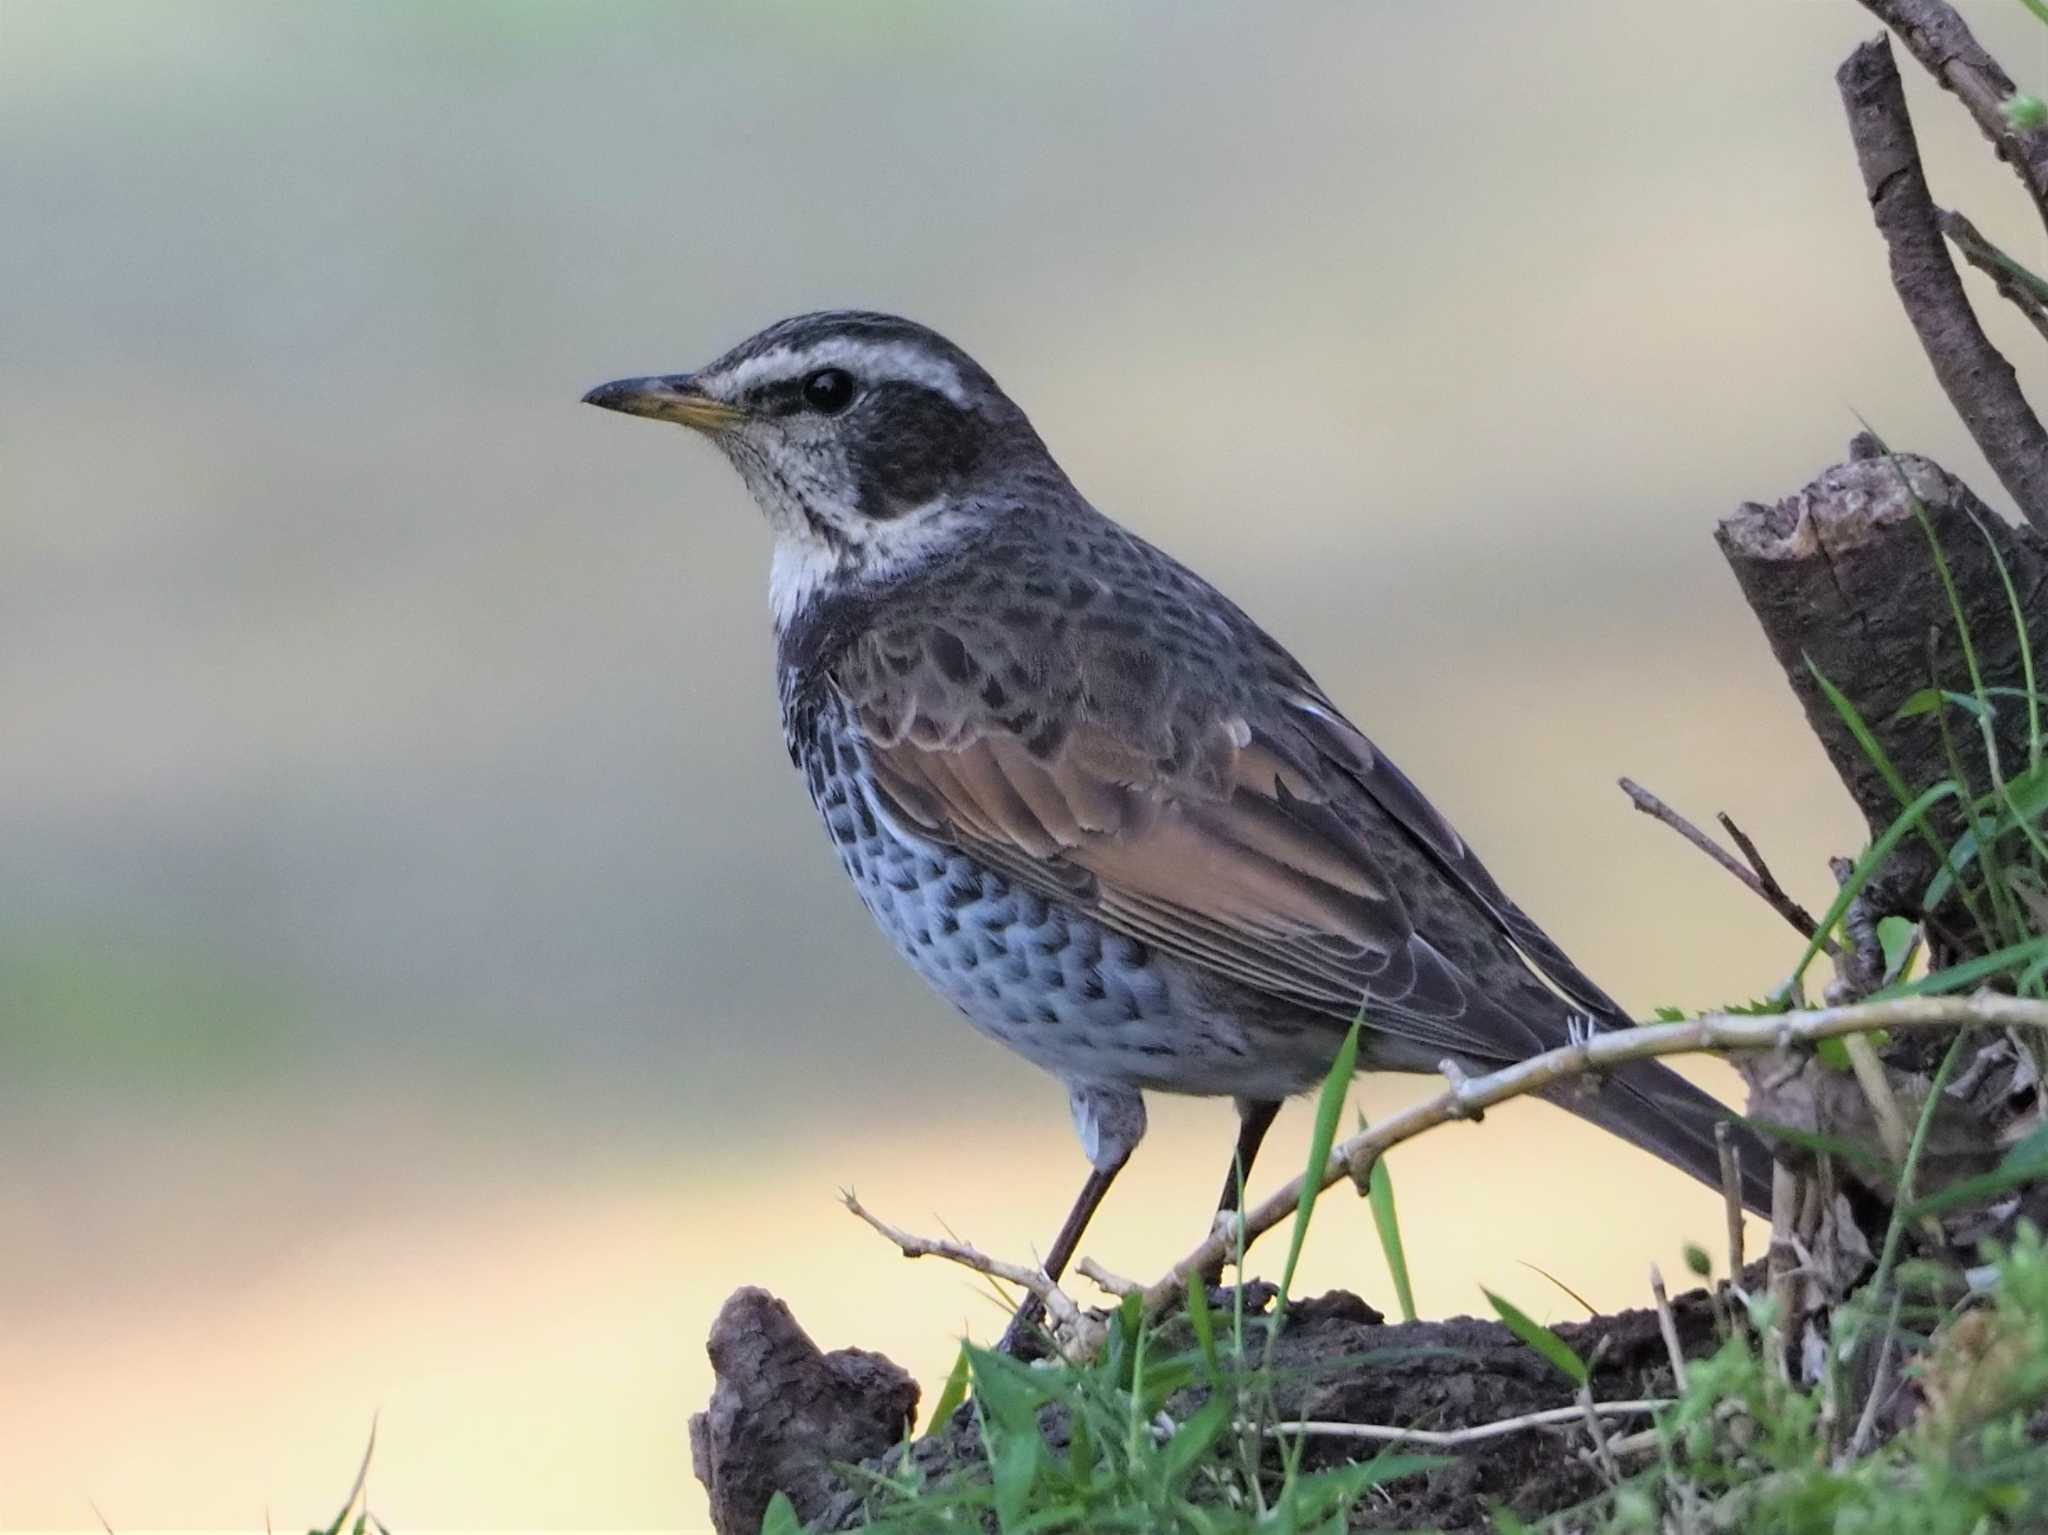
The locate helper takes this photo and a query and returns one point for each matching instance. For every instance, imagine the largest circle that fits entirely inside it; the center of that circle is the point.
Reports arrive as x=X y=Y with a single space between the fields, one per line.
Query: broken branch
x=1972 y=372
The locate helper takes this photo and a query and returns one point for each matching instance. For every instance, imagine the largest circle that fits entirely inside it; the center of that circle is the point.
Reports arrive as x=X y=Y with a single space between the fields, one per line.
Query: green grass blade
x=1008 y=1393
x=1852 y=717
x=1334 y=1491
x=1986 y=967
x=781 y=1519
x=1914 y=1148
x=1386 y=1221
x=1986 y=730
x=1576 y=1299
x=1329 y=1107
x=1540 y=1338
x=1927 y=700
x=1979 y=1190
x=1895 y=940
x=1195 y=1438
x=1204 y=1323
x=951 y=1395
x=1013 y=1468
x=2035 y=746
x=355 y=1492
x=1868 y=743
x=1854 y=1153
x=1996 y=892
x=1388 y=1224
x=2030 y=1151
x=2024 y=801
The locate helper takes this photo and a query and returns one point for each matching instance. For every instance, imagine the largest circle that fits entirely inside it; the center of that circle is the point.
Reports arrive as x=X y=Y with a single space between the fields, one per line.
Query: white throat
x=797 y=571
x=804 y=564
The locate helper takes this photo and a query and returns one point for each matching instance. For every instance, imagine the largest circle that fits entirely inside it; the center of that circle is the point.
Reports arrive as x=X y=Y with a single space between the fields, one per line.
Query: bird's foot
x=1025 y=1338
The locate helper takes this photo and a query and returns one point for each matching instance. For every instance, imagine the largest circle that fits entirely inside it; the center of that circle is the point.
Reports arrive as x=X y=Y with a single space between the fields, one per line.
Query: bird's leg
x=1254 y=1118
x=1025 y=1323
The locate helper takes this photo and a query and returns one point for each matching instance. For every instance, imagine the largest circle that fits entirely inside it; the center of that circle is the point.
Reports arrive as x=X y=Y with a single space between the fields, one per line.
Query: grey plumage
x=1086 y=797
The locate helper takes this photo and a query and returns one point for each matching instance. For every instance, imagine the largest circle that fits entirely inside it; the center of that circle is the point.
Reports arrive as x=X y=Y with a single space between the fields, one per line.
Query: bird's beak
x=676 y=397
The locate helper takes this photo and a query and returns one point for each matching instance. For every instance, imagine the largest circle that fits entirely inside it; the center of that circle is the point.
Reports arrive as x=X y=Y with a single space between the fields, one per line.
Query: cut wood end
x=1864 y=498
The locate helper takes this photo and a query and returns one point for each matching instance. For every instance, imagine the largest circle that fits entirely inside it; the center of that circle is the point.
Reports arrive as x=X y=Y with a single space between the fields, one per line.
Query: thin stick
x=1060 y=1310
x=1453 y=1438
x=1880 y=1388
x=1667 y=1324
x=1763 y=888
x=1641 y=1441
x=1113 y=1284
x=1731 y=1197
x=1470 y=1096
x=1783 y=1263
x=1591 y=1413
x=1774 y=892
x=2016 y=285
x=1830 y=1422
x=1877 y=1089
x=1713 y=1032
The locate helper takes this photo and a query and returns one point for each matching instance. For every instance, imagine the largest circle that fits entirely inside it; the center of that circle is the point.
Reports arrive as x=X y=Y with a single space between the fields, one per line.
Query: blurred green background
x=422 y=985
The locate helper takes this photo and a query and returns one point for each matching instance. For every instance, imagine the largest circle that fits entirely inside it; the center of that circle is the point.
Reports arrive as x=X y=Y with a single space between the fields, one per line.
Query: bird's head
x=871 y=443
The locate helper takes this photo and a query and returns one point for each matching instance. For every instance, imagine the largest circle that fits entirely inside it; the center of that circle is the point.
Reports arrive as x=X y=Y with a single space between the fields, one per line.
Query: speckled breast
x=1072 y=996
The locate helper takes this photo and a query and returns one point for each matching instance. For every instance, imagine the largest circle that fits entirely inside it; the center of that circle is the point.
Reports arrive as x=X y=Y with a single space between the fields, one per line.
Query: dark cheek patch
x=911 y=445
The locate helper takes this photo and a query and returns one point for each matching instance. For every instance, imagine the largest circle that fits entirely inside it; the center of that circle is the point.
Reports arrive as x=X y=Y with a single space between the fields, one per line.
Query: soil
x=1338 y=1360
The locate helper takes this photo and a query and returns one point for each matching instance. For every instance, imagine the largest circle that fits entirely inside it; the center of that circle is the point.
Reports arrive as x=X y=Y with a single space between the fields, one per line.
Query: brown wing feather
x=1146 y=753
x=1224 y=865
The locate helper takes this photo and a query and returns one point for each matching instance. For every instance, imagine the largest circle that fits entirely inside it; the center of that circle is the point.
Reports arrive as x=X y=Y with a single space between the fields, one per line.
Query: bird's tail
x=1652 y=1106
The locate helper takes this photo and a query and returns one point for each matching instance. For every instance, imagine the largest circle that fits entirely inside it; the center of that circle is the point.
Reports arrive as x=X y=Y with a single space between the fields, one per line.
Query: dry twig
x=1453 y=1438
x=1782 y=1265
x=1667 y=1324
x=1731 y=1198
x=1775 y=893
x=1755 y=876
x=1103 y=1279
x=1713 y=1032
x=1610 y=1468
x=2016 y=285
x=1067 y=1320
x=1468 y=1097
x=1877 y=1090
x=1880 y=1389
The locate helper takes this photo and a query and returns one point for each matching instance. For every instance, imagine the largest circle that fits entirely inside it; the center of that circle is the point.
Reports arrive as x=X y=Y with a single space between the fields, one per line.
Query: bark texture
x=1939 y=38
x=784 y=1416
x=1842 y=572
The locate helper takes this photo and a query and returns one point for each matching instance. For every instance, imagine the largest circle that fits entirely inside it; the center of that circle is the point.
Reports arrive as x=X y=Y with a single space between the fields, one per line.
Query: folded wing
x=1242 y=845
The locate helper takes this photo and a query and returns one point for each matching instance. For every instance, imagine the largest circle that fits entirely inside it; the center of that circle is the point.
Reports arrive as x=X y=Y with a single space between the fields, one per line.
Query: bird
x=1088 y=798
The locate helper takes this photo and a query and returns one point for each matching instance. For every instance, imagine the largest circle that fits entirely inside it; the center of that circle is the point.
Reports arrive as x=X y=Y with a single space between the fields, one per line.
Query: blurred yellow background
x=422 y=985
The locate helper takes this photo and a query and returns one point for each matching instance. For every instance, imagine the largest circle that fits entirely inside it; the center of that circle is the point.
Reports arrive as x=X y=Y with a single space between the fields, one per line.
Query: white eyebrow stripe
x=866 y=360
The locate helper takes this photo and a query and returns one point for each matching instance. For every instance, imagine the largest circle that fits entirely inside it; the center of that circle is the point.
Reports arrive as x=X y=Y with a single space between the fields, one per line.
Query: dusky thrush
x=1092 y=803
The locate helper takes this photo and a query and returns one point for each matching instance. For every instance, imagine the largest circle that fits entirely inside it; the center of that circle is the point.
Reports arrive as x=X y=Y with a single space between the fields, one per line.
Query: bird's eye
x=828 y=391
